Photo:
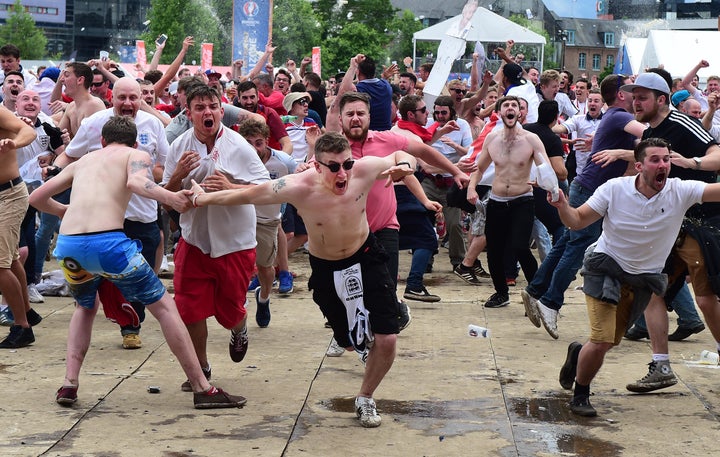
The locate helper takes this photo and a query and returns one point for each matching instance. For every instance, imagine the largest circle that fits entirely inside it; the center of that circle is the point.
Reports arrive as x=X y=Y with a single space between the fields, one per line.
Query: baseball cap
x=210 y=72
x=513 y=72
x=51 y=72
x=679 y=97
x=652 y=81
x=292 y=97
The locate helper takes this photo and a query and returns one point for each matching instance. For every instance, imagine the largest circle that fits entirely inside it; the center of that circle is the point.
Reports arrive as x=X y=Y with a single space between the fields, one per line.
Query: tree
x=20 y=30
x=296 y=29
x=403 y=27
x=354 y=38
x=531 y=51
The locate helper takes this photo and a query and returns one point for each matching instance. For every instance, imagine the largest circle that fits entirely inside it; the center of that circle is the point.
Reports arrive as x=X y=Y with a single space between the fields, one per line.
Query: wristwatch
x=698 y=162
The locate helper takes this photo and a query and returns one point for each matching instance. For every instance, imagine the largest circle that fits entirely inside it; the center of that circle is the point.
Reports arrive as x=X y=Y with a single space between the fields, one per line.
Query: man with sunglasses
x=350 y=280
x=100 y=87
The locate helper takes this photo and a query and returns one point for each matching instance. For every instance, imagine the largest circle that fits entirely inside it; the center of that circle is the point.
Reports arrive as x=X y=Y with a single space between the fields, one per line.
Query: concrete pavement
x=447 y=395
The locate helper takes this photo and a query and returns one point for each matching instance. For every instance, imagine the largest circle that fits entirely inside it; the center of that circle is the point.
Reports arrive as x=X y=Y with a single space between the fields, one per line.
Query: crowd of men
x=249 y=166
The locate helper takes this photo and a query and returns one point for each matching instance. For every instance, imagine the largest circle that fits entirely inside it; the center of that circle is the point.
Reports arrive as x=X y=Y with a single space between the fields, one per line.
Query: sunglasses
x=422 y=110
x=460 y=91
x=441 y=113
x=335 y=167
x=303 y=101
x=98 y=84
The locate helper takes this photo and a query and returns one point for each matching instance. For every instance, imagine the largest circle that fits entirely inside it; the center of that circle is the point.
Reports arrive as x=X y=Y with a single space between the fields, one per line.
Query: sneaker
x=510 y=282
x=66 y=395
x=33 y=317
x=262 y=312
x=466 y=274
x=497 y=300
x=582 y=407
x=164 y=265
x=33 y=295
x=286 y=283
x=405 y=317
x=531 y=309
x=367 y=412
x=634 y=333
x=683 y=332
x=479 y=271
x=548 y=317
x=334 y=350
x=187 y=387
x=19 y=337
x=6 y=319
x=420 y=295
x=569 y=368
x=217 y=398
x=131 y=341
x=254 y=283
x=238 y=345
x=659 y=376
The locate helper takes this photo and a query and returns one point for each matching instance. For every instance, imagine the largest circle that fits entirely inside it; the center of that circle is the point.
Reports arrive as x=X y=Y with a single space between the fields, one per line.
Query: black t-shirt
x=552 y=142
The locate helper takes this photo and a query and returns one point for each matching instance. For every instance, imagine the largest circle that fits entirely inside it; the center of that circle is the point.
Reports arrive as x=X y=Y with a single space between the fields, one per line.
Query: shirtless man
x=510 y=210
x=102 y=184
x=344 y=255
x=14 y=133
x=77 y=78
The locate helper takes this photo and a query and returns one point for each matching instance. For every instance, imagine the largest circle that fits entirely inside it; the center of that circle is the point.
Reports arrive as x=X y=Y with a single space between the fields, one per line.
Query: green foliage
x=402 y=28
x=354 y=38
x=531 y=51
x=606 y=71
x=20 y=30
x=296 y=29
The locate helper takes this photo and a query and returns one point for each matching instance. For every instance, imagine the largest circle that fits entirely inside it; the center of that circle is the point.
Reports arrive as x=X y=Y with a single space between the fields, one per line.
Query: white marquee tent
x=680 y=50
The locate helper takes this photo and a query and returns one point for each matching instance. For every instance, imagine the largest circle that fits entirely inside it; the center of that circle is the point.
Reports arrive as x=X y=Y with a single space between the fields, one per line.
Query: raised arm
x=269 y=50
x=174 y=66
x=140 y=181
x=434 y=157
x=21 y=133
x=159 y=47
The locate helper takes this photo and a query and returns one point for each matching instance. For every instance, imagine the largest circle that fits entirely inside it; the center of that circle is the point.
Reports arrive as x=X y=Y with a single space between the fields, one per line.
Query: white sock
x=661 y=357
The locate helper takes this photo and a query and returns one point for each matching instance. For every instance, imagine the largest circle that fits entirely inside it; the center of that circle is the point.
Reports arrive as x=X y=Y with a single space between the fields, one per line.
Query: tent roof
x=486 y=27
x=680 y=50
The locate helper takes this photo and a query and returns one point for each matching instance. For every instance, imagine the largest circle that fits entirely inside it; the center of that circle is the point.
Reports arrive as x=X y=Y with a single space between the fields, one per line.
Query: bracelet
x=405 y=163
x=194 y=200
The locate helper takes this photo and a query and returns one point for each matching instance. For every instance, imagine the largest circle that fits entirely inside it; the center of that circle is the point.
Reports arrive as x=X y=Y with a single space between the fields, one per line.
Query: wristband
x=405 y=163
x=194 y=200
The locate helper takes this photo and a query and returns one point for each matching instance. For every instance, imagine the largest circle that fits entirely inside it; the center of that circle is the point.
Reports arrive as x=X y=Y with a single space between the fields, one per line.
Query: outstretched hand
x=396 y=173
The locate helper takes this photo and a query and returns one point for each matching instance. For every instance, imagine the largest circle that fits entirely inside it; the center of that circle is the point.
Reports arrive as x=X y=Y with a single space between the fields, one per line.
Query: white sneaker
x=548 y=316
x=164 y=265
x=367 y=412
x=334 y=350
x=531 y=308
x=33 y=295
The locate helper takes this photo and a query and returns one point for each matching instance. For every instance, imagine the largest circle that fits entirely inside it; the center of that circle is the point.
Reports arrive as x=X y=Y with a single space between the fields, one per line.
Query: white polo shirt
x=278 y=165
x=638 y=232
x=150 y=138
x=219 y=230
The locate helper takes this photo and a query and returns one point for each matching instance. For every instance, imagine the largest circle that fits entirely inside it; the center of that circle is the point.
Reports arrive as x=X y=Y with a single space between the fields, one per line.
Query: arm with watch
x=708 y=162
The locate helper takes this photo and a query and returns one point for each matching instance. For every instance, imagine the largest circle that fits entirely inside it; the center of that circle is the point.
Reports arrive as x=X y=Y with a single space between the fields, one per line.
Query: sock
x=661 y=357
x=212 y=390
x=263 y=300
x=581 y=391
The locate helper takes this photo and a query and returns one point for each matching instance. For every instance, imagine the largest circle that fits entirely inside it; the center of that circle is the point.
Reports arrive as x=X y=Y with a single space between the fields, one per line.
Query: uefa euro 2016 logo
x=251 y=9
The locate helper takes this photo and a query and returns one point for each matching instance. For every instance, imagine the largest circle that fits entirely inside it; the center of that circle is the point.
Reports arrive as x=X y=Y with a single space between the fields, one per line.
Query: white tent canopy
x=680 y=50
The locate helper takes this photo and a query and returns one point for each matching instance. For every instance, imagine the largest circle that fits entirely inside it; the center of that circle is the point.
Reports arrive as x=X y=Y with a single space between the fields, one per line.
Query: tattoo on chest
x=279 y=184
x=360 y=196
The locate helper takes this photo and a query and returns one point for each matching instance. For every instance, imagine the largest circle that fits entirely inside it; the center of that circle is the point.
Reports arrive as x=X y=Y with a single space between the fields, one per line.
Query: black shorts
x=378 y=291
x=292 y=222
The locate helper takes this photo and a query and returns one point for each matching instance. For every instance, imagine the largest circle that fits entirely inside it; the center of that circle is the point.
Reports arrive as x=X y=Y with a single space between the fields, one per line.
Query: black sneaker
x=33 y=317
x=569 y=368
x=420 y=295
x=683 y=332
x=497 y=300
x=217 y=398
x=238 y=345
x=582 y=407
x=466 y=274
x=479 y=271
x=635 y=334
x=19 y=337
x=187 y=387
x=405 y=317
x=262 y=312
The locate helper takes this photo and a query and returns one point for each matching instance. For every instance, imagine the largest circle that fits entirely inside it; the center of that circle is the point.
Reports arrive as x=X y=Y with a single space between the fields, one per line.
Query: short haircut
x=313 y=78
x=246 y=86
x=713 y=78
x=410 y=76
x=121 y=130
x=203 y=91
x=251 y=127
x=408 y=103
x=367 y=67
x=547 y=112
x=283 y=71
x=349 y=97
x=145 y=82
x=569 y=75
x=10 y=50
x=426 y=67
x=298 y=87
x=188 y=82
x=504 y=99
x=15 y=73
x=583 y=80
x=81 y=69
x=641 y=148
x=547 y=76
x=448 y=101
x=263 y=78
x=98 y=72
x=331 y=143
x=153 y=75
x=595 y=90
x=610 y=86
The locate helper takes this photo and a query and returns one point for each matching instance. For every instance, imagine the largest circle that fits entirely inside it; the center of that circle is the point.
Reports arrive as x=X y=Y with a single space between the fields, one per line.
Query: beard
x=351 y=133
x=510 y=122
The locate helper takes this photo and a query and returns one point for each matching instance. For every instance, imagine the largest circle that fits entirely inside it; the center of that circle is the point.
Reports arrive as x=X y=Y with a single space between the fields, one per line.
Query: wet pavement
x=447 y=394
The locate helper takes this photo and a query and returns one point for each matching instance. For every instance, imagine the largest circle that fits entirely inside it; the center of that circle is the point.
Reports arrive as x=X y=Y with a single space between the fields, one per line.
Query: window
x=609 y=39
x=596 y=62
x=581 y=60
x=610 y=60
x=570 y=36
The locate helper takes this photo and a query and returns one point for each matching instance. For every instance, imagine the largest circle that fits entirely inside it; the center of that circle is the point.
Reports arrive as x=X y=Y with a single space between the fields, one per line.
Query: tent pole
x=414 y=52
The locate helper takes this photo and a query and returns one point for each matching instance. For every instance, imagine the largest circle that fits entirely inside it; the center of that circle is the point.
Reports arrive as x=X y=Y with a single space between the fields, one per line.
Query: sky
x=584 y=9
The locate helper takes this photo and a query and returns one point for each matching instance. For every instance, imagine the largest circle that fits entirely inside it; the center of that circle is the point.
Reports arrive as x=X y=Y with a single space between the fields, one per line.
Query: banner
x=140 y=50
x=316 y=60
x=252 y=28
x=206 y=56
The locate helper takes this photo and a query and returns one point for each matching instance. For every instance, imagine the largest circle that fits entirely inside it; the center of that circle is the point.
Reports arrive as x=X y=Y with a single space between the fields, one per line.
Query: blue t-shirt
x=380 y=93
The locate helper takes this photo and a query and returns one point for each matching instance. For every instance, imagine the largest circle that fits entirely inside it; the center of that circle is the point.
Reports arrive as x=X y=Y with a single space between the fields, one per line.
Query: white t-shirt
x=219 y=230
x=27 y=156
x=150 y=138
x=463 y=137
x=527 y=91
x=278 y=165
x=638 y=232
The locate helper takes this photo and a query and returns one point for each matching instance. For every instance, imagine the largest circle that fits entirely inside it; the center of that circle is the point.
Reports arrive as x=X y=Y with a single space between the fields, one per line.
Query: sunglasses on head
x=335 y=167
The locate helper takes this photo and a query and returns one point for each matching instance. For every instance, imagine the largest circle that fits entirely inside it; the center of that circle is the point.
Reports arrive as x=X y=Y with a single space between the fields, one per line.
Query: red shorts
x=206 y=286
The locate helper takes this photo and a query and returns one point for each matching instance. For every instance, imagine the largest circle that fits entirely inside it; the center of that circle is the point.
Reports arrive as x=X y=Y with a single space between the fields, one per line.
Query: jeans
x=49 y=224
x=565 y=258
x=684 y=306
x=420 y=259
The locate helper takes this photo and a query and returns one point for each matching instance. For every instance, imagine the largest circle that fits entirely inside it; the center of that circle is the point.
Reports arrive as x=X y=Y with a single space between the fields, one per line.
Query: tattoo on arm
x=139 y=165
x=277 y=185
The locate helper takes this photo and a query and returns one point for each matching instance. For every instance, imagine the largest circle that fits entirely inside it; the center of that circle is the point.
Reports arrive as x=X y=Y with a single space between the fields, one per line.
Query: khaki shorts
x=689 y=254
x=13 y=206
x=266 y=250
x=608 y=322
